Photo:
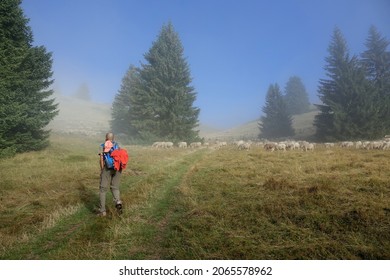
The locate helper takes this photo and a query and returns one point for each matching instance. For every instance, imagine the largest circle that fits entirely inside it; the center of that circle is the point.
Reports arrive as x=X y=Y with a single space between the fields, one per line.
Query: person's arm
x=101 y=161
x=101 y=158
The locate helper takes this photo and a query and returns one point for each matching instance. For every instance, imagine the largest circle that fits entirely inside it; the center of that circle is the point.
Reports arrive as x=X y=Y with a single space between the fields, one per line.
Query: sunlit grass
x=292 y=205
x=197 y=204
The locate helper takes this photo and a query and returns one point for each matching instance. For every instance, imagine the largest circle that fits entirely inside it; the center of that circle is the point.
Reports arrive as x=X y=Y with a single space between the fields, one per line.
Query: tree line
x=355 y=96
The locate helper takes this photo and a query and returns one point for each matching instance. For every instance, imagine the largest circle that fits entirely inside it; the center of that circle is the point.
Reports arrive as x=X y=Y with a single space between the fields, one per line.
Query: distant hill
x=303 y=125
x=79 y=116
x=206 y=130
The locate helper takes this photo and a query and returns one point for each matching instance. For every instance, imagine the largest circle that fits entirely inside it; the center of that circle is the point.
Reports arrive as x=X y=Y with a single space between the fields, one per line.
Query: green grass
x=197 y=204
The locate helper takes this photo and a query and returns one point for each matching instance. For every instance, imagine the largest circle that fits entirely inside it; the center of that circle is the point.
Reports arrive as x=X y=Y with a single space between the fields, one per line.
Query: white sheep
x=366 y=145
x=168 y=145
x=386 y=145
x=281 y=146
x=291 y=145
x=358 y=144
x=157 y=144
x=244 y=146
x=196 y=145
x=375 y=145
x=329 y=145
x=306 y=146
x=270 y=146
x=346 y=144
x=220 y=144
x=182 y=145
x=238 y=143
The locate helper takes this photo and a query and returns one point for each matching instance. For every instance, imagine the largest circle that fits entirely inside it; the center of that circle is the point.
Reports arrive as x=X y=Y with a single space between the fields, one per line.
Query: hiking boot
x=118 y=207
x=102 y=214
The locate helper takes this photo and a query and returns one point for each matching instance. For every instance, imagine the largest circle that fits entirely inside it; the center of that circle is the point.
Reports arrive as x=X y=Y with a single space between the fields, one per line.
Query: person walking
x=109 y=176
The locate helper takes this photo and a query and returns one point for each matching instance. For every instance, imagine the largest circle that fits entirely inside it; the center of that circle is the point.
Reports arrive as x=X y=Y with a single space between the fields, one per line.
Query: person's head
x=110 y=136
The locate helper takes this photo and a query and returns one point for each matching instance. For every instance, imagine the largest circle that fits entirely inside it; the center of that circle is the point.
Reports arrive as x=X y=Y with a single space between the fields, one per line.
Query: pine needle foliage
x=296 y=97
x=120 y=114
x=355 y=103
x=376 y=62
x=26 y=103
x=160 y=94
x=276 y=122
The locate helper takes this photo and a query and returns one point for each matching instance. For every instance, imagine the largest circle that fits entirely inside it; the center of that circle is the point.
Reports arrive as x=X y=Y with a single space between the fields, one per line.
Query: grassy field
x=197 y=204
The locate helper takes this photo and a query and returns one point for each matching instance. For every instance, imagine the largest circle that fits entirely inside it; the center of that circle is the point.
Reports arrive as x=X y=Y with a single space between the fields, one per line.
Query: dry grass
x=294 y=205
x=203 y=204
x=40 y=187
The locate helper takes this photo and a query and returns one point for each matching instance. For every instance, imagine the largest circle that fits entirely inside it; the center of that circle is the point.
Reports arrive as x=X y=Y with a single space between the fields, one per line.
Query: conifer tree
x=276 y=122
x=296 y=97
x=347 y=111
x=121 y=111
x=161 y=101
x=26 y=106
x=376 y=62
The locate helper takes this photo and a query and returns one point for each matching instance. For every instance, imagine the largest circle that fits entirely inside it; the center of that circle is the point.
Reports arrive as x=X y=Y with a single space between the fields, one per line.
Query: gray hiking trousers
x=109 y=179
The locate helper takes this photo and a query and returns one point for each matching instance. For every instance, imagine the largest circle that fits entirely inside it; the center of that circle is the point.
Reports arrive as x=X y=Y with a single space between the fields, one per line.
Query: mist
x=79 y=116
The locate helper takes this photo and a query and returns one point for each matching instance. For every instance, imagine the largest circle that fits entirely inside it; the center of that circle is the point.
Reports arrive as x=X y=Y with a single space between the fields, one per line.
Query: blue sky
x=235 y=49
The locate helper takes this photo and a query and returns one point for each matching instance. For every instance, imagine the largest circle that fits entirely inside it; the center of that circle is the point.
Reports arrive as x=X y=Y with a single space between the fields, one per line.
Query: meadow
x=197 y=204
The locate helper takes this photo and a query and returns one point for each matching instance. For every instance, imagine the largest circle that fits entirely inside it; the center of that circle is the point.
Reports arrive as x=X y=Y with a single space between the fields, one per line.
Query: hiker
x=109 y=176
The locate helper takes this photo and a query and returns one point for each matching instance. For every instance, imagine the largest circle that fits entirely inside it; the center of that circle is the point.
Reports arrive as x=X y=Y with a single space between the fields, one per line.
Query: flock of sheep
x=367 y=145
x=280 y=146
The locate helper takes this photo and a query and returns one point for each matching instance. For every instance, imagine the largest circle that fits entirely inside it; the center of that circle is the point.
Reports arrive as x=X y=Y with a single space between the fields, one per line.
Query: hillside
x=78 y=116
x=303 y=125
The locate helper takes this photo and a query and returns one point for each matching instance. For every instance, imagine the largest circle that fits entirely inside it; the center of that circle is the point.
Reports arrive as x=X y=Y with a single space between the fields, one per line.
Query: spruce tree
x=347 y=111
x=276 y=122
x=376 y=62
x=161 y=103
x=26 y=106
x=296 y=97
x=122 y=113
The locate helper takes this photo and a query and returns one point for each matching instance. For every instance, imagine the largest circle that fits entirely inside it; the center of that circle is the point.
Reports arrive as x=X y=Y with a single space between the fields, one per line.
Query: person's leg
x=115 y=182
x=105 y=179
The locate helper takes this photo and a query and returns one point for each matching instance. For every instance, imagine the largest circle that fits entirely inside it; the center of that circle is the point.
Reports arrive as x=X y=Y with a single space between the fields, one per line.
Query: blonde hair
x=110 y=136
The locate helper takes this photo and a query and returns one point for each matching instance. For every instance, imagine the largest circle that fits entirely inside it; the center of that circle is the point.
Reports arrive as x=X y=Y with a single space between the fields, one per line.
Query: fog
x=79 y=116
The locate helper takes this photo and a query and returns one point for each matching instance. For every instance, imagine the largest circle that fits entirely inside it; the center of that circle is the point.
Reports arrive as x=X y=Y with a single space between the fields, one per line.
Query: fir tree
x=296 y=97
x=276 y=122
x=376 y=62
x=168 y=77
x=161 y=103
x=26 y=106
x=347 y=110
x=121 y=113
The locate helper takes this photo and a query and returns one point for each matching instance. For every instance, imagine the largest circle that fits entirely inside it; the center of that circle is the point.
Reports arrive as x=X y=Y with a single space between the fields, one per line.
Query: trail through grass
x=79 y=234
x=197 y=204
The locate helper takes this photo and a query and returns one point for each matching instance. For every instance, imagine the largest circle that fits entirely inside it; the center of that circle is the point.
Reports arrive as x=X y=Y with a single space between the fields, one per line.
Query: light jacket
x=121 y=158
